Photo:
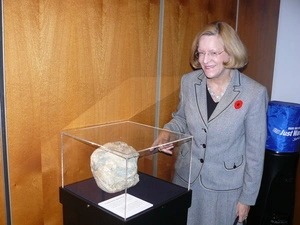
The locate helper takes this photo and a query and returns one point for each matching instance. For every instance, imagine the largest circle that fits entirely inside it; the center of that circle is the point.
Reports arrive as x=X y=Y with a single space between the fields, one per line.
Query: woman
x=225 y=112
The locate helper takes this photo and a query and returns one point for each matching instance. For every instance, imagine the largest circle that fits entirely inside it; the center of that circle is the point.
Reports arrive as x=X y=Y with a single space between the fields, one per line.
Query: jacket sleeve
x=256 y=132
x=178 y=122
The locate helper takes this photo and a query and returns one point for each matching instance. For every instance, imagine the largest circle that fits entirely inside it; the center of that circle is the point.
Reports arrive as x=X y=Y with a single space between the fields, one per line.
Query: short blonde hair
x=231 y=41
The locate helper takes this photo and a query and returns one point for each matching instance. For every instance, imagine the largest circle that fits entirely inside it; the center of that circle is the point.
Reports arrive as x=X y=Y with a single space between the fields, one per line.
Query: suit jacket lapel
x=200 y=93
x=230 y=95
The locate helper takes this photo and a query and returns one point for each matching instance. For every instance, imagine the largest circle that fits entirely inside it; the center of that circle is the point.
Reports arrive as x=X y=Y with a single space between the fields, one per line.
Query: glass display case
x=117 y=173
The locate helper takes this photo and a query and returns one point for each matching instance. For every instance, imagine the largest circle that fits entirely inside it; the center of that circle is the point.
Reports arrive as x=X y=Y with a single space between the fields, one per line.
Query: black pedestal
x=170 y=203
x=275 y=202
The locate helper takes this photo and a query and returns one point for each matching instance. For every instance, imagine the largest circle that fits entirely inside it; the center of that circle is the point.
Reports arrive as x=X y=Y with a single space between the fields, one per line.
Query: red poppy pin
x=238 y=104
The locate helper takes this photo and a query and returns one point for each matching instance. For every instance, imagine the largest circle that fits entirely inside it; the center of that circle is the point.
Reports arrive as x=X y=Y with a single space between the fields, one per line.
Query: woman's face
x=211 y=56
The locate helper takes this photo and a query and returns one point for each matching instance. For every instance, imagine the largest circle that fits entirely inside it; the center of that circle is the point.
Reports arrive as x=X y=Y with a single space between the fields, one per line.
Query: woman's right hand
x=161 y=143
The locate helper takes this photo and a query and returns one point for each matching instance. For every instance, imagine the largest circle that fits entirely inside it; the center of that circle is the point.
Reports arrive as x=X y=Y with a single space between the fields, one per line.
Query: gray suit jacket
x=228 y=148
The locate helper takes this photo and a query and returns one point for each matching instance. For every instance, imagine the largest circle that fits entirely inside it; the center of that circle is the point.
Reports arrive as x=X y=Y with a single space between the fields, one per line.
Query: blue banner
x=283 y=126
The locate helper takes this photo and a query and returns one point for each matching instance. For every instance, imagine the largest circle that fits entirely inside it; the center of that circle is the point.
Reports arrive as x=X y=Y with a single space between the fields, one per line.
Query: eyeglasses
x=210 y=54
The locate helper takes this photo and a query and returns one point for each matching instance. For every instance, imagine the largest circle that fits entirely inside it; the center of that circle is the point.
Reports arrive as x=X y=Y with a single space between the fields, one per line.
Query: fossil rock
x=108 y=166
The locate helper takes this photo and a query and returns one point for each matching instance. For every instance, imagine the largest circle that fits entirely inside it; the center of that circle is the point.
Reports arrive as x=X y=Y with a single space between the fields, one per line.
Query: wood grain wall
x=2 y=200
x=257 y=27
x=75 y=63
x=68 y=64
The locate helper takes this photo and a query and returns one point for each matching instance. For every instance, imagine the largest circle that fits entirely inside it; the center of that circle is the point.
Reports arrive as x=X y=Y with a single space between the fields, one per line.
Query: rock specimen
x=108 y=165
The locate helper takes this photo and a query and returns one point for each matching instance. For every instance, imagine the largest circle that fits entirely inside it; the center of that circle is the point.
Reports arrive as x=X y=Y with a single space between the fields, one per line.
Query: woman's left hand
x=242 y=211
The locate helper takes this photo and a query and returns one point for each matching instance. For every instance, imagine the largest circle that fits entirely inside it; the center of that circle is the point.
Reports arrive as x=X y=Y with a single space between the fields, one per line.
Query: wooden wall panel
x=183 y=20
x=2 y=194
x=257 y=27
x=23 y=118
x=69 y=64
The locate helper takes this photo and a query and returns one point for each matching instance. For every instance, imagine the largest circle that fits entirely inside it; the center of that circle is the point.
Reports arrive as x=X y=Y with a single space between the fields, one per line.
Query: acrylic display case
x=155 y=199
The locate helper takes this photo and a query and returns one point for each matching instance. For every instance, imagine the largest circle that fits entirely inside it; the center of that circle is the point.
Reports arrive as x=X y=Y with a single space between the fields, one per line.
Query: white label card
x=134 y=205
